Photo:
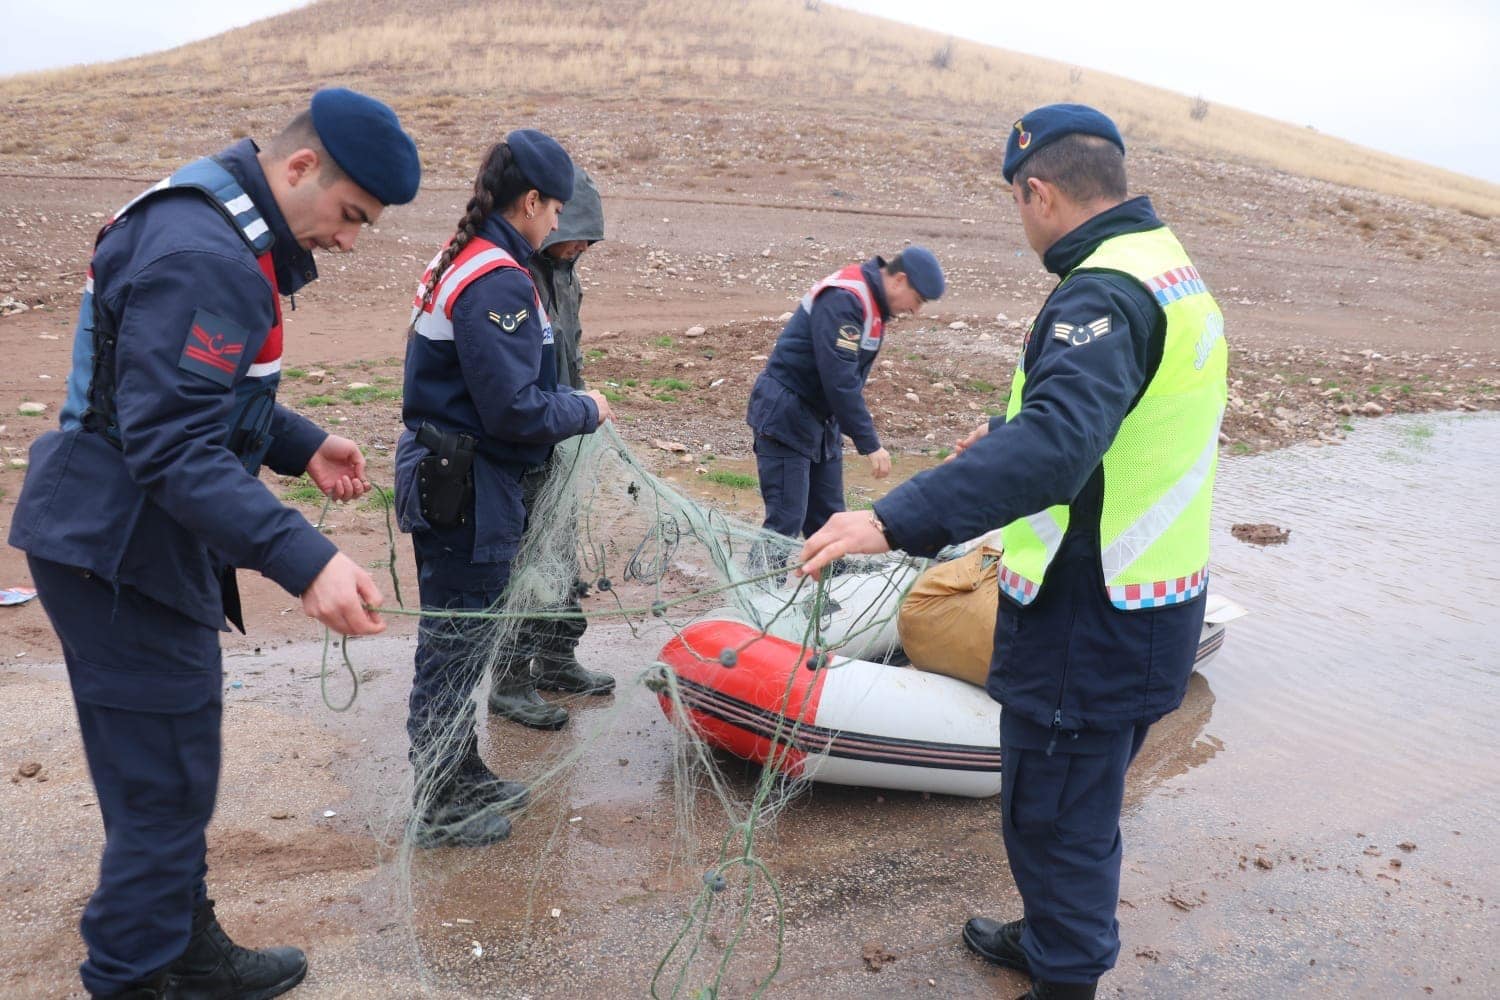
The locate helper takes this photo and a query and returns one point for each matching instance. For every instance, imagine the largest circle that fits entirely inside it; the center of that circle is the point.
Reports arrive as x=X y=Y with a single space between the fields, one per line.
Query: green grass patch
x=1240 y=448
x=593 y=354
x=673 y=384
x=734 y=480
x=610 y=394
x=632 y=383
x=854 y=501
x=994 y=411
x=293 y=373
x=1346 y=427
x=304 y=490
x=662 y=341
x=665 y=397
x=319 y=401
x=980 y=385
x=943 y=453
x=371 y=393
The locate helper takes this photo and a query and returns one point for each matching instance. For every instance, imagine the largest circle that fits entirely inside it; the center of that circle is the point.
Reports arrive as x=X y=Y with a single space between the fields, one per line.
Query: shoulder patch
x=1082 y=333
x=214 y=347
x=849 y=337
x=509 y=322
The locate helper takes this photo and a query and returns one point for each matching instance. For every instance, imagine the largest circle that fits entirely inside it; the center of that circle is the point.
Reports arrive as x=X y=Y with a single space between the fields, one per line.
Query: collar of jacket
x=1133 y=216
x=507 y=238
x=295 y=266
x=872 y=269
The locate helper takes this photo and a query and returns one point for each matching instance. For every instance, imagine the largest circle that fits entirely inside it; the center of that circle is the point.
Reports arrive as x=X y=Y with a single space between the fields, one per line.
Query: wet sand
x=1315 y=821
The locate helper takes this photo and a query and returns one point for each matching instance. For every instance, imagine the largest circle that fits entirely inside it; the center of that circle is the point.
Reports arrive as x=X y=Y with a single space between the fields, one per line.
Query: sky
x=1417 y=80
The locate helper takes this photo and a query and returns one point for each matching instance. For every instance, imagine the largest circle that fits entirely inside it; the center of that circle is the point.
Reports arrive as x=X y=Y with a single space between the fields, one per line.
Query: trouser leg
x=1061 y=823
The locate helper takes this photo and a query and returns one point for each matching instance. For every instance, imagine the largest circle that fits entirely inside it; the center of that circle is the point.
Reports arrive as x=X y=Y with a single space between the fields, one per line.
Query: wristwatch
x=880 y=526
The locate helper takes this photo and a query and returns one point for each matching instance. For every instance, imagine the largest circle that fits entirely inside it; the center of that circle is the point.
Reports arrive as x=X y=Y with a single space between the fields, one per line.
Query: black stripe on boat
x=819 y=740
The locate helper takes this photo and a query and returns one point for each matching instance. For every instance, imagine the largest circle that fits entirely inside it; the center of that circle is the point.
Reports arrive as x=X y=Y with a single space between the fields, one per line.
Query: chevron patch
x=1082 y=333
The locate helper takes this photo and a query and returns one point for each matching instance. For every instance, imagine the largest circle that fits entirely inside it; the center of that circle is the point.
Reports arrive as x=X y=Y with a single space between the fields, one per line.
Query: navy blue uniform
x=133 y=521
x=1080 y=680
x=809 y=395
x=496 y=380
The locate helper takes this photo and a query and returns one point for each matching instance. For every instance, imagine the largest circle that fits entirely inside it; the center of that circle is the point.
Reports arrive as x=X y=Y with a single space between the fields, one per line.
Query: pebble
x=31 y=409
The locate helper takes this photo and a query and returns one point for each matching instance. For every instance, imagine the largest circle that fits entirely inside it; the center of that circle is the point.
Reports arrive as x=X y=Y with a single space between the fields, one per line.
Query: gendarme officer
x=137 y=511
x=1101 y=474
x=811 y=392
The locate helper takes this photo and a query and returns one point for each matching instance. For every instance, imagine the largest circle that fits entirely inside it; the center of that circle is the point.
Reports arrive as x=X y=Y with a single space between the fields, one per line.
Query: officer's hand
x=338 y=469
x=880 y=463
x=959 y=447
x=845 y=533
x=338 y=596
x=605 y=412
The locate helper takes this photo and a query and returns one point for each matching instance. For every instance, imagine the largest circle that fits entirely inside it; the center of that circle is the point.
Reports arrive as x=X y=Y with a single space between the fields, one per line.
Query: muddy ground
x=1342 y=307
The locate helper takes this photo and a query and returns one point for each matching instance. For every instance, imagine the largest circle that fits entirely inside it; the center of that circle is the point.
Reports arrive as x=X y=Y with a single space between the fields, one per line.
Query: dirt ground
x=1342 y=306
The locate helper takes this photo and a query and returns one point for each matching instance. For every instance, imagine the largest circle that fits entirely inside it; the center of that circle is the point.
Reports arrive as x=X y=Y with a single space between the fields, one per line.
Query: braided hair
x=499 y=185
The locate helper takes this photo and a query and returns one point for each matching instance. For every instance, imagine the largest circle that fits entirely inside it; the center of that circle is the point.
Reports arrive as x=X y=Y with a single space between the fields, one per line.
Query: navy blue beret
x=1031 y=132
x=543 y=162
x=923 y=271
x=365 y=139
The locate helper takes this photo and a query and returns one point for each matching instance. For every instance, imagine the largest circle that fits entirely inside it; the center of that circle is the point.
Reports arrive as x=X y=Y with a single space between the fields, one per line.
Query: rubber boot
x=513 y=696
x=1060 y=991
x=452 y=816
x=215 y=968
x=483 y=786
x=996 y=942
x=565 y=673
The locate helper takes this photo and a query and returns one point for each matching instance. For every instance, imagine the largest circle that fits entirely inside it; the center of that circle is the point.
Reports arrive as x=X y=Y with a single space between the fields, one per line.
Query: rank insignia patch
x=510 y=321
x=213 y=347
x=848 y=338
x=1081 y=334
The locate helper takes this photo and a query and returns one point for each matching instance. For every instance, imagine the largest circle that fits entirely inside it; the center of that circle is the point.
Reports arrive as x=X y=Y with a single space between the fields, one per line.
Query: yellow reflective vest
x=1159 y=471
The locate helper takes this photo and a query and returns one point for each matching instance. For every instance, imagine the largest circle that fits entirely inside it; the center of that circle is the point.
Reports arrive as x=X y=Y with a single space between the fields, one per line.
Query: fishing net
x=651 y=561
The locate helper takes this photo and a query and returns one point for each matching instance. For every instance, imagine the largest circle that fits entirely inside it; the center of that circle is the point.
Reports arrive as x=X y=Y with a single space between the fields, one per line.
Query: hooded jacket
x=557 y=280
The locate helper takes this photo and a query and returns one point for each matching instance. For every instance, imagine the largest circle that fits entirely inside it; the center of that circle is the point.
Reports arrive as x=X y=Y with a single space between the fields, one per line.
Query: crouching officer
x=1101 y=474
x=136 y=512
x=481 y=408
x=811 y=391
x=554 y=642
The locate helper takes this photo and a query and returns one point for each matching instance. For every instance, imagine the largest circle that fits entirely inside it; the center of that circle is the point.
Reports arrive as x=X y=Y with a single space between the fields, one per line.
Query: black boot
x=565 y=673
x=997 y=942
x=154 y=988
x=1060 y=991
x=484 y=787
x=513 y=696
x=215 y=968
x=450 y=815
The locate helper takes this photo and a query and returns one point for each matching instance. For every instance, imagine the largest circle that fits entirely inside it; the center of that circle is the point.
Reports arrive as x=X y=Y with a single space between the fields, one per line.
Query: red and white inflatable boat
x=854 y=722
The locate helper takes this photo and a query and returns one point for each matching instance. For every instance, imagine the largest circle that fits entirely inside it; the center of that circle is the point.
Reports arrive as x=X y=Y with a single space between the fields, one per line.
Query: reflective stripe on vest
x=434 y=320
x=1159 y=470
x=851 y=279
x=210 y=178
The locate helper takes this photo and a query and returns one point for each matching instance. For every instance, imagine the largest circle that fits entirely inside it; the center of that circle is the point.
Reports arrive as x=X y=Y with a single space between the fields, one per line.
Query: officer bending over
x=1101 y=474
x=136 y=512
x=811 y=392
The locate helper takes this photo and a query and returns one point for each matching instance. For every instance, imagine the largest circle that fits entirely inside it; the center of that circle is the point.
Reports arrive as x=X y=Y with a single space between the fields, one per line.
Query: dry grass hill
x=453 y=69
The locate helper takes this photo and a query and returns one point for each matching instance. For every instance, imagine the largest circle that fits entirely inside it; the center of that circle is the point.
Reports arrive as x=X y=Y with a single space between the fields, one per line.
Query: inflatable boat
x=847 y=721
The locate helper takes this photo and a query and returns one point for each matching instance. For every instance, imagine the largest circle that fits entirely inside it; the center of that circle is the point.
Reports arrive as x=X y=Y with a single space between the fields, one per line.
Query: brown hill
x=454 y=68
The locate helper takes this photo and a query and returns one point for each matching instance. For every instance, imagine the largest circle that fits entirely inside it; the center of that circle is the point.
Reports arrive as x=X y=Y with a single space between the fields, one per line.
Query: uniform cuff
x=299 y=560
x=909 y=522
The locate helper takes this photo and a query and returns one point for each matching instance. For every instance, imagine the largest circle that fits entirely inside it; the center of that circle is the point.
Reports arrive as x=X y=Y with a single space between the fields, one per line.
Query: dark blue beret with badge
x=1046 y=125
x=543 y=162
x=923 y=271
x=365 y=139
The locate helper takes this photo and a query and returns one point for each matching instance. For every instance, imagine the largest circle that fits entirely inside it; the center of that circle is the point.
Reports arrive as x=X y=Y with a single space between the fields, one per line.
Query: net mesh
x=610 y=543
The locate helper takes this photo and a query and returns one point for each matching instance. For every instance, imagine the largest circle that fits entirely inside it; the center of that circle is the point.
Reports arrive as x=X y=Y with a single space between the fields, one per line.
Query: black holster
x=445 y=478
